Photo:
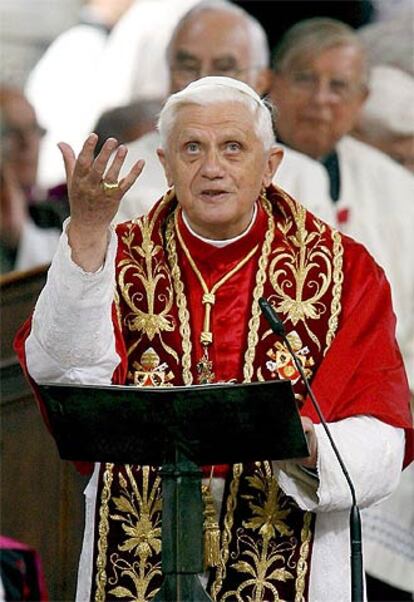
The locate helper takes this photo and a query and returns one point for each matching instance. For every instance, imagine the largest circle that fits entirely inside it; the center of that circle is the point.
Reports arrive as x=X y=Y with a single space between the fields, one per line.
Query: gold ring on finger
x=110 y=185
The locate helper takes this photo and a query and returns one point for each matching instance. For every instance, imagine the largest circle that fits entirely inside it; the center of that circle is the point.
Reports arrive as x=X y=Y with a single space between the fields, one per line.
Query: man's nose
x=323 y=93
x=212 y=164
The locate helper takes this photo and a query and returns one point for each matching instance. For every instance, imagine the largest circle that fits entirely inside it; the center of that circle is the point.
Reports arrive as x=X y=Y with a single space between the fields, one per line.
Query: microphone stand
x=278 y=327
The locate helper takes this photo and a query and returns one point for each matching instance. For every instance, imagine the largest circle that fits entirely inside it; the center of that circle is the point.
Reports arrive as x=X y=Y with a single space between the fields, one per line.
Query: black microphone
x=278 y=328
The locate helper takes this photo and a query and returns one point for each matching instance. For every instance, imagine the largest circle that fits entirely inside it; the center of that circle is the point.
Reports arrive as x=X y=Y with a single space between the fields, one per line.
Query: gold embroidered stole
x=300 y=271
x=266 y=540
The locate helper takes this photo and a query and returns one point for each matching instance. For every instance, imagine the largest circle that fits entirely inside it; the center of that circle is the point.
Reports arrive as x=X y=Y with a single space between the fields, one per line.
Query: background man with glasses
x=29 y=229
x=320 y=84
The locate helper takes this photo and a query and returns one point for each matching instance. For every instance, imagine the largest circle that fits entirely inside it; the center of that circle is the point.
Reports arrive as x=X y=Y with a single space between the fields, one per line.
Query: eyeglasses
x=190 y=73
x=309 y=82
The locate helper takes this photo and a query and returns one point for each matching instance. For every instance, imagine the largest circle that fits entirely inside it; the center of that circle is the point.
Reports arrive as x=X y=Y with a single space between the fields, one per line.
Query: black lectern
x=179 y=429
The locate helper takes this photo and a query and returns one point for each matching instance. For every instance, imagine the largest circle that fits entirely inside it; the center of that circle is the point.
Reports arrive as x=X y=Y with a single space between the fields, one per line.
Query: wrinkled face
x=319 y=99
x=20 y=139
x=215 y=43
x=218 y=166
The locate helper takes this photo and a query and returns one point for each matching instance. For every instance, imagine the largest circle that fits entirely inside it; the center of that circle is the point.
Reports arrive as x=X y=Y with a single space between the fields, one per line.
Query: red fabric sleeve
x=19 y=347
x=120 y=373
x=363 y=371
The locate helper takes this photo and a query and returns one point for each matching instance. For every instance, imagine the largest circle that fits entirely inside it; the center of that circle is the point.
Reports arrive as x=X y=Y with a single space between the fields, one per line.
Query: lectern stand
x=179 y=429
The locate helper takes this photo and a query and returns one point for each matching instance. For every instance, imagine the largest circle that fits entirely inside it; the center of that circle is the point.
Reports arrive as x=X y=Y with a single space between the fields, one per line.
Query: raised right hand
x=92 y=206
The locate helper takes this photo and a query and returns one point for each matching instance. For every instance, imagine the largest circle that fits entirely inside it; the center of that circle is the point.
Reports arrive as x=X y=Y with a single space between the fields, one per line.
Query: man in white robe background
x=29 y=229
x=69 y=85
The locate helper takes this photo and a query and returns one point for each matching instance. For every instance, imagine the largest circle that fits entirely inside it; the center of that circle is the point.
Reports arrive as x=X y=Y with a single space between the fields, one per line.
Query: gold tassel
x=211 y=530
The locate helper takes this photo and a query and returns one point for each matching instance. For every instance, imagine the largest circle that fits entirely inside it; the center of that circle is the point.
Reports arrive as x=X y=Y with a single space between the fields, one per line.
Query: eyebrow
x=229 y=58
x=227 y=134
x=183 y=55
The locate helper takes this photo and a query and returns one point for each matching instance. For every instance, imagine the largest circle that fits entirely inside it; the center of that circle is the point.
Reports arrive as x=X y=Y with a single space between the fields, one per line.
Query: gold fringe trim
x=211 y=530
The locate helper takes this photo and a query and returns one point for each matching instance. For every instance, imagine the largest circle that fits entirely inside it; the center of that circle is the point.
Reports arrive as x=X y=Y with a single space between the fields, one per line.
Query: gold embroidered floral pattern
x=138 y=511
x=301 y=269
x=263 y=562
x=267 y=549
x=145 y=284
x=267 y=518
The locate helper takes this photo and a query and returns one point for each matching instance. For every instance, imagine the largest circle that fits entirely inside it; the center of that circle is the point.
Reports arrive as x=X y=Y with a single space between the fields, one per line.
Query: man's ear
x=363 y=97
x=358 y=103
x=276 y=86
x=274 y=159
x=263 y=81
x=164 y=163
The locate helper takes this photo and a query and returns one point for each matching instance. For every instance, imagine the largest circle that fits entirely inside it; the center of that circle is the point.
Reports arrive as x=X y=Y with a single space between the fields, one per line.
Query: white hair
x=216 y=89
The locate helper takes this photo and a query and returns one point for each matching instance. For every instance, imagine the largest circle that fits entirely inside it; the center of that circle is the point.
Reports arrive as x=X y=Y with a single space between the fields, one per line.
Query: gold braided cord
x=338 y=278
x=103 y=530
x=226 y=534
x=302 y=568
x=267 y=467
x=209 y=295
x=183 y=313
x=252 y=337
x=117 y=303
x=198 y=273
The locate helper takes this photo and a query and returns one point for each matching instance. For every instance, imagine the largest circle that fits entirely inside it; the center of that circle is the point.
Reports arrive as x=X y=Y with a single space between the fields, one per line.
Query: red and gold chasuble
x=266 y=539
x=336 y=306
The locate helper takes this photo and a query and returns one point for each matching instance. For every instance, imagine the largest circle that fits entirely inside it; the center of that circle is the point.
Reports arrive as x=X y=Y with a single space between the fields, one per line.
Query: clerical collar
x=331 y=164
x=221 y=243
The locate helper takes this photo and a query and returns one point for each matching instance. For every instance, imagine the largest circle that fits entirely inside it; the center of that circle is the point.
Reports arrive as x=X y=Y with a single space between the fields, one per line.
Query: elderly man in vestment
x=175 y=295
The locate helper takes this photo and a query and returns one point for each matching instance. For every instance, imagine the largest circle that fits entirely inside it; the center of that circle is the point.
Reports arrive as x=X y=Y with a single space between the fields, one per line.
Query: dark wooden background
x=41 y=500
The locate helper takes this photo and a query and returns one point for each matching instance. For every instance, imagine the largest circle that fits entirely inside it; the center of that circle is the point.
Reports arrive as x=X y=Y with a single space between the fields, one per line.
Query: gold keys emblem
x=149 y=372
